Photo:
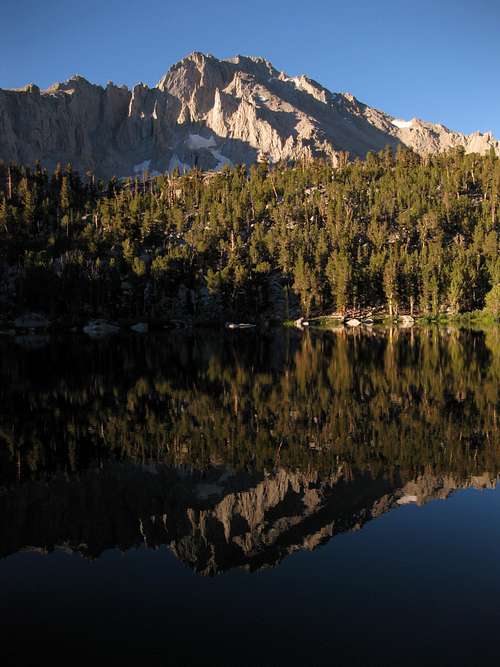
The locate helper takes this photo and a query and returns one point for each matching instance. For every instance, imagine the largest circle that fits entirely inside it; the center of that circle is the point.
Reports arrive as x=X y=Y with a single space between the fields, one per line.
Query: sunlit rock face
x=213 y=520
x=208 y=113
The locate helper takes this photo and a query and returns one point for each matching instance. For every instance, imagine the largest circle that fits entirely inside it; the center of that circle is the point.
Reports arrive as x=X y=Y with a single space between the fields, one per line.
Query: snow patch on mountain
x=196 y=142
x=175 y=162
x=402 y=124
x=222 y=160
x=142 y=167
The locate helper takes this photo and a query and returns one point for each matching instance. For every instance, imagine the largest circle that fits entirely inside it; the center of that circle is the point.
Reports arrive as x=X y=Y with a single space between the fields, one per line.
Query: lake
x=245 y=498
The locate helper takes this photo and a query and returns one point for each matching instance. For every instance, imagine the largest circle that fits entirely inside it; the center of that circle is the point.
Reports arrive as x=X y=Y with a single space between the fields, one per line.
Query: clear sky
x=433 y=59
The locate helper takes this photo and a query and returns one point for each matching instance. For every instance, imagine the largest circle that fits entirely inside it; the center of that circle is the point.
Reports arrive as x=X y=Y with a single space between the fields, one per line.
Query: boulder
x=242 y=325
x=98 y=328
x=31 y=321
x=353 y=322
x=140 y=327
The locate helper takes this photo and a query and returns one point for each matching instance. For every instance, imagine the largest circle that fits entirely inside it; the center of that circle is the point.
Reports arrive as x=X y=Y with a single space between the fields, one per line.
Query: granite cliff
x=205 y=112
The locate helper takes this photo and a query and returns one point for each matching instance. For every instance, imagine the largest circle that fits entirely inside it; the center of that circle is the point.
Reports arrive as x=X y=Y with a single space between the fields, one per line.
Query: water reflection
x=212 y=521
x=237 y=450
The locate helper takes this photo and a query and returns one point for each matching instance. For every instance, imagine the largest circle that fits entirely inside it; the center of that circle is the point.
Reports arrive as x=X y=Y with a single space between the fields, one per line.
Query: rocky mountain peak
x=28 y=88
x=75 y=82
x=205 y=112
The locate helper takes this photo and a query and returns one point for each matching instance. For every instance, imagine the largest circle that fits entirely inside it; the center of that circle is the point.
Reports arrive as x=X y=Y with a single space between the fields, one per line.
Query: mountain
x=212 y=520
x=205 y=112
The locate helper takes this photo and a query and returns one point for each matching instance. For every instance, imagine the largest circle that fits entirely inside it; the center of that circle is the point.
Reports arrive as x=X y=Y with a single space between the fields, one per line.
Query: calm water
x=241 y=499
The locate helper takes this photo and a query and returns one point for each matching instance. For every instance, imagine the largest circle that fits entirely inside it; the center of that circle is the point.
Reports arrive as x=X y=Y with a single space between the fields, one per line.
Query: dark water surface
x=243 y=499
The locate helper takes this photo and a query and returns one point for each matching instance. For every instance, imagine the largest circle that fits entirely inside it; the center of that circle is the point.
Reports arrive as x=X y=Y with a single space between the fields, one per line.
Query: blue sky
x=436 y=60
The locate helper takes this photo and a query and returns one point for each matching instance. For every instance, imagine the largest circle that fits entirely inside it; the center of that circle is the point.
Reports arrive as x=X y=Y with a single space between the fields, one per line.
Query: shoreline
x=100 y=327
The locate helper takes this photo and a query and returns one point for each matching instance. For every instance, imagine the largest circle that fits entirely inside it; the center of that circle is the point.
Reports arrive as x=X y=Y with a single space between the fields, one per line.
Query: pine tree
x=391 y=285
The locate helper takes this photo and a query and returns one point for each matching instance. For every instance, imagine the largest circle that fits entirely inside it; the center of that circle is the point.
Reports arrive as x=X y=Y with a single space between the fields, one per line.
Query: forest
x=398 y=232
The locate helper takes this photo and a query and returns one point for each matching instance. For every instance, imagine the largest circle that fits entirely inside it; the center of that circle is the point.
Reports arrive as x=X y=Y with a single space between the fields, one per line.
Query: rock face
x=204 y=112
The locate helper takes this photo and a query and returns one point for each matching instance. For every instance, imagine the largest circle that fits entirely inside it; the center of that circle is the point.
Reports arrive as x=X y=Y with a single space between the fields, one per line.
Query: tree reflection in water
x=237 y=450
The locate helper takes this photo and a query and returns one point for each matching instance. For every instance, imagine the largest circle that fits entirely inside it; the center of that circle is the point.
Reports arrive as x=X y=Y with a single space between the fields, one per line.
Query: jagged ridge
x=204 y=112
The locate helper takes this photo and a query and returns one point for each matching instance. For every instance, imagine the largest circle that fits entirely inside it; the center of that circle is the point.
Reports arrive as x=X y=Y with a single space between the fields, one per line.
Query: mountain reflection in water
x=212 y=521
x=126 y=459
x=236 y=450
